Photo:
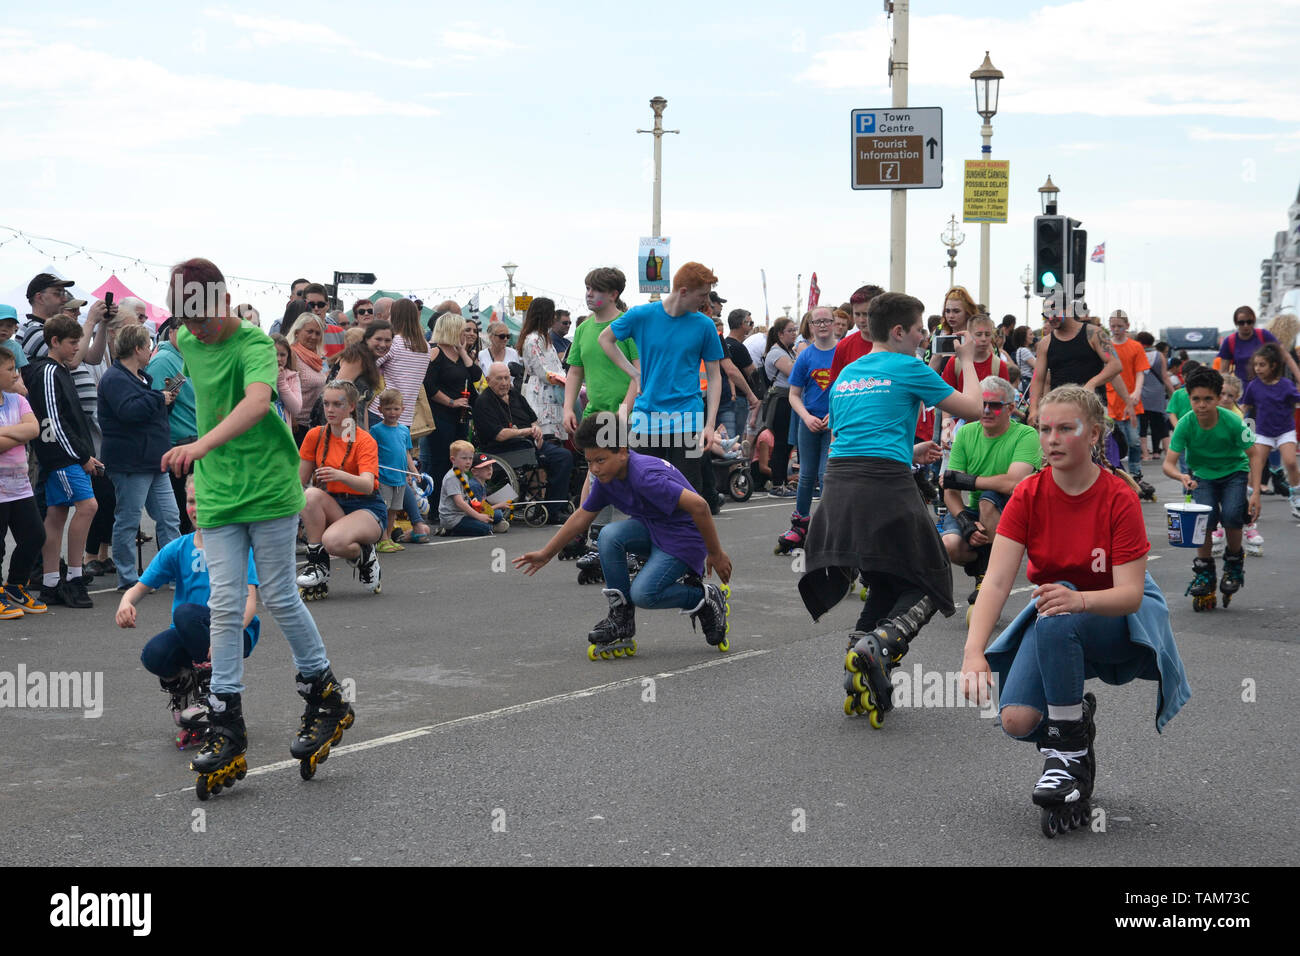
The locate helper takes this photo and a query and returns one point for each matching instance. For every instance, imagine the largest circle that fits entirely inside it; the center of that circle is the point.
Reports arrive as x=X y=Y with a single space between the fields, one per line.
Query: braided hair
x=323 y=446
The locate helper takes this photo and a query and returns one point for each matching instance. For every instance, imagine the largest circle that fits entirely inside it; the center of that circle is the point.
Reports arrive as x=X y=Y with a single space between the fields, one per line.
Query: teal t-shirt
x=254 y=476
x=20 y=357
x=181 y=416
x=1214 y=452
x=975 y=453
x=606 y=382
x=876 y=401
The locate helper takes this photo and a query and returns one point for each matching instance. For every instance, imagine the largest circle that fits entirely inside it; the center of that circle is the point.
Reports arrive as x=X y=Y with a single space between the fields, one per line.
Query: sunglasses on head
x=365 y=311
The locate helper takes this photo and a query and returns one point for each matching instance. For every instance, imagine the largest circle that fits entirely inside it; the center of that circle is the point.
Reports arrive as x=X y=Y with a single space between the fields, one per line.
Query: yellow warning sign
x=985 y=194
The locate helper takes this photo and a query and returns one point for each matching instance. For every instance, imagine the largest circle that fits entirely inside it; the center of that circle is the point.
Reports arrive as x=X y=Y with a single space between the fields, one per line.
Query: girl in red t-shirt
x=344 y=515
x=1082 y=529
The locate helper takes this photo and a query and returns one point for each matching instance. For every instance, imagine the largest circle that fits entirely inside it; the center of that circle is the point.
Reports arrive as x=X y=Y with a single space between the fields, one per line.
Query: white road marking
x=510 y=711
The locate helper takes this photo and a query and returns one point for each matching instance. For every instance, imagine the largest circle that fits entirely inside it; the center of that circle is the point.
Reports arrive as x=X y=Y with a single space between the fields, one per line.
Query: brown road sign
x=897 y=148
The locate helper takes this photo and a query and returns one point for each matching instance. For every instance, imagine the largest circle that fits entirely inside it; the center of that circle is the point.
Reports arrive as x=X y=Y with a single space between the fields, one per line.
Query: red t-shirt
x=953 y=374
x=362 y=457
x=852 y=347
x=1075 y=538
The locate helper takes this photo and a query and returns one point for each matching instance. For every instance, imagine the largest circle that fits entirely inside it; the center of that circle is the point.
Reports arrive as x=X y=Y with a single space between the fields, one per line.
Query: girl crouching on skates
x=669 y=526
x=1095 y=611
x=872 y=520
x=179 y=656
x=344 y=515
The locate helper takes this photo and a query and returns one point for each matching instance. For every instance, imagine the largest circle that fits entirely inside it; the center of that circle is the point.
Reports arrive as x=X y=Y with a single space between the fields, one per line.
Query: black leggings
x=24 y=521
x=780 y=461
x=101 y=526
x=887 y=596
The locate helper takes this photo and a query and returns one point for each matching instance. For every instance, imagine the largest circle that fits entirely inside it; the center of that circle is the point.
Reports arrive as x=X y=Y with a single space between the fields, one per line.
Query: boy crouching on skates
x=1216 y=443
x=669 y=526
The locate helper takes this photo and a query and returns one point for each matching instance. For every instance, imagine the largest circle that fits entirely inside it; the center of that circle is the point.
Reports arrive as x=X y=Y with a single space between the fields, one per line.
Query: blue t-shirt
x=671 y=349
x=812 y=373
x=182 y=563
x=875 y=403
x=650 y=493
x=393 y=441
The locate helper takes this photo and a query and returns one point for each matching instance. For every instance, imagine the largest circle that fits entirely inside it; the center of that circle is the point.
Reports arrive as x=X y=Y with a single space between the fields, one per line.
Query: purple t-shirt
x=1243 y=351
x=1273 y=406
x=650 y=493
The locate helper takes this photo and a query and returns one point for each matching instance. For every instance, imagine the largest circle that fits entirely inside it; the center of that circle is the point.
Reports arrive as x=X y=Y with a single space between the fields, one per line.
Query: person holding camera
x=989 y=458
x=133 y=420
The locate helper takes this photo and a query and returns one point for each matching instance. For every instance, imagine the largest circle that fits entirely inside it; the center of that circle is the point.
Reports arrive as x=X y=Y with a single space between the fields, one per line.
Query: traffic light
x=1051 y=253
x=1078 y=255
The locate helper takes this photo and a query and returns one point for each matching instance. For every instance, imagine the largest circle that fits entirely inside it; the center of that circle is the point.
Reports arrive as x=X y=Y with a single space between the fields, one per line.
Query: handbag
x=774 y=396
x=422 y=421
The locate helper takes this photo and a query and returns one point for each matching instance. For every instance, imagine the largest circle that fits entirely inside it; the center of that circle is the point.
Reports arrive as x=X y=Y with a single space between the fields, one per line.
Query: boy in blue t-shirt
x=673 y=337
x=872 y=520
x=179 y=655
x=395 y=463
x=669 y=526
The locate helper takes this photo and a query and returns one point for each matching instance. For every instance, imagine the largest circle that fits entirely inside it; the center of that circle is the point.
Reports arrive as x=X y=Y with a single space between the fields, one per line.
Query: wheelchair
x=521 y=470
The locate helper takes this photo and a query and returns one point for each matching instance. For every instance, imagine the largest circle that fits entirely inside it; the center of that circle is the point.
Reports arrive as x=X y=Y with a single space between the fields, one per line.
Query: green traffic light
x=1048 y=279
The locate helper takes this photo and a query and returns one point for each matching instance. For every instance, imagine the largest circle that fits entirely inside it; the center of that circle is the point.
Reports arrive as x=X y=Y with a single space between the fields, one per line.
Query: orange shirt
x=1132 y=359
x=362 y=457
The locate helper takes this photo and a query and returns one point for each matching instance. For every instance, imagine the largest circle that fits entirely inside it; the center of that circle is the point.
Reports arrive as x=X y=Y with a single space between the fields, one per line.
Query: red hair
x=196 y=289
x=693 y=275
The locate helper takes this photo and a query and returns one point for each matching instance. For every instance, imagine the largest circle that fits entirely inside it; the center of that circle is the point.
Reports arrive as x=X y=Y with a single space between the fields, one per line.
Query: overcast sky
x=293 y=139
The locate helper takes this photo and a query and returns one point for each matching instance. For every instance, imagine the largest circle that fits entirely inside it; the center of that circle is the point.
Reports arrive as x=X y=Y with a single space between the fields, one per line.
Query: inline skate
x=575 y=549
x=713 y=612
x=872 y=657
x=367 y=566
x=590 y=571
x=1146 y=491
x=615 y=635
x=325 y=718
x=187 y=693
x=1234 y=575
x=794 y=538
x=1202 y=587
x=1064 y=790
x=977 y=569
x=314 y=582
x=1254 y=540
x=220 y=761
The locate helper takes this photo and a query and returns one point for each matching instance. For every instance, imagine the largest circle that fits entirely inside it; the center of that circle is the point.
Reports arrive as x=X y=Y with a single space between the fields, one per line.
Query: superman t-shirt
x=812 y=373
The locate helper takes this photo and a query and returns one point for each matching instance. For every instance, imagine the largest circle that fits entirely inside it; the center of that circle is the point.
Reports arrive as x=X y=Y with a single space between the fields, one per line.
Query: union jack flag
x=1099 y=254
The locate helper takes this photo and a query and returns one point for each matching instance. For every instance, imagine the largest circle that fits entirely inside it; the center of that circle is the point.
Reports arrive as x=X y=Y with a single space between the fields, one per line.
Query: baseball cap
x=73 y=303
x=8 y=313
x=716 y=299
x=482 y=459
x=46 y=281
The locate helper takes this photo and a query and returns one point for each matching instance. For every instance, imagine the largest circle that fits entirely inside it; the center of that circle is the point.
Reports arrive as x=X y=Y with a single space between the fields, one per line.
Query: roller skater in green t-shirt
x=245 y=473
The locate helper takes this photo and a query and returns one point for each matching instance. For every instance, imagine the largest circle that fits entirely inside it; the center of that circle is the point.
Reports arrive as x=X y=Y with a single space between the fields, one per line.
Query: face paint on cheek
x=1077 y=430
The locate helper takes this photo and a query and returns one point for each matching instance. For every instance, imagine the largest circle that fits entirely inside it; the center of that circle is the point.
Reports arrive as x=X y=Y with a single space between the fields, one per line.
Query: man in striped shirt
x=318 y=302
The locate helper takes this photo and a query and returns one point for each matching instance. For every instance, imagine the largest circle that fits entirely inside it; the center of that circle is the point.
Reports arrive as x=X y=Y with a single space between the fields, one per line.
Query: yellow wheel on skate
x=591 y=652
x=201 y=789
x=877 y=719
x=850 y=708
x=851 y=662
x=860 y=682
x=307 y=768
x=618 y=652
x=863 y=594
x=606 y=656
x=631 y=651
x=970 y=609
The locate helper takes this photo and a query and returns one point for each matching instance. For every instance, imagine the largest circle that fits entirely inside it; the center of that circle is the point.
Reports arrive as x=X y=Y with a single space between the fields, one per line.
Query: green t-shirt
x=1214 y=452
x=606 y=382
x=253 y=477
x=1179 y=404
x=976 y=454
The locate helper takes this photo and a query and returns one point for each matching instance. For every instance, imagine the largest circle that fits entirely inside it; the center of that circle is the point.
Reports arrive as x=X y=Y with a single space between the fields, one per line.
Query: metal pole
x=658 y=105
x=898 y=197
x=987 y=151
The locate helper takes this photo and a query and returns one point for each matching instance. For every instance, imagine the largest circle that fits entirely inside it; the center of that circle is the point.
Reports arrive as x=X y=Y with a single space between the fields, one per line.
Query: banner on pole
x=652 y=266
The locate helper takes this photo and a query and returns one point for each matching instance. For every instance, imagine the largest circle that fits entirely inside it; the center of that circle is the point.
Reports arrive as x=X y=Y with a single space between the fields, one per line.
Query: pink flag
x=814 y=293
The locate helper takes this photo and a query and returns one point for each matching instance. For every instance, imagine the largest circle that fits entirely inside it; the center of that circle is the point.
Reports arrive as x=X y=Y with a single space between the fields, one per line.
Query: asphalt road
x=484 y=735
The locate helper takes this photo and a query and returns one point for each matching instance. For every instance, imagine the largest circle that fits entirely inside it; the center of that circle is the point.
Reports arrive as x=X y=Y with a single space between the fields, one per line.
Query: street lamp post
x=1027 y=280
x=1047 y=194
x=988 y=80
x=510 y=268
x=952 y=237
x=658 y=105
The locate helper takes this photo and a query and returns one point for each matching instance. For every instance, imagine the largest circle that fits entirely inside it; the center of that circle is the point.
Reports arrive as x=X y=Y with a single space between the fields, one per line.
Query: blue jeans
x=1049 y=667
x=137 y=491
x=272 y=542
x=182 y=644
x=1128 y=428
x=658 y=584
x=469 y=527
x=1226 y=498
x=813 y=448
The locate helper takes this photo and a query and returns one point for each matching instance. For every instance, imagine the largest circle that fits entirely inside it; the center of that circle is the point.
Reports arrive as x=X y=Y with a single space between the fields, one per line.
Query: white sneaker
x=1254 y=540
x=1218 y=541
x=1295 y=504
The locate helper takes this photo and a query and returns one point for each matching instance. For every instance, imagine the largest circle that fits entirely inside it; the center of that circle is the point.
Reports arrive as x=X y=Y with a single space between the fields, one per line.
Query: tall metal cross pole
x=952 y=237
x=658 y=105
x=898 y=197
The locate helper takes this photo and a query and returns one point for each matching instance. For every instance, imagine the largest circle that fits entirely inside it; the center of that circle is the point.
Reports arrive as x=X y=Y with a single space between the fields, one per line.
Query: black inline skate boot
x=575 y=549
x=793 y=539
x=713 y=612
x=187 y=701
x=1234 y=574
x=1064 y=790
x=220 y=761
x=325 y=718
x=872 y=657
x=590 y=571
x=615 y=635
x=977 y=569
x=1202 y=587
x=314 y=582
